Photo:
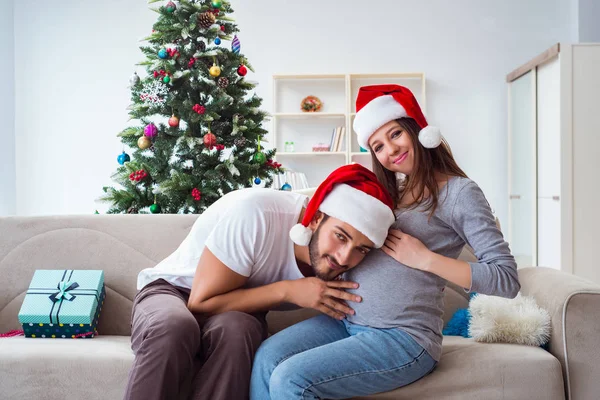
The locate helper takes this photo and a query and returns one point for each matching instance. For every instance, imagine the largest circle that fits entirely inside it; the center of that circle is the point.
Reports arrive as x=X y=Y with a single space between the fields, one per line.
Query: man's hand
x=327 y=297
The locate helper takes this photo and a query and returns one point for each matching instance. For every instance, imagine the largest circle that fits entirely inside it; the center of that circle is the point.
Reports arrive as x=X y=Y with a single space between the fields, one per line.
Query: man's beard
x=315 y=256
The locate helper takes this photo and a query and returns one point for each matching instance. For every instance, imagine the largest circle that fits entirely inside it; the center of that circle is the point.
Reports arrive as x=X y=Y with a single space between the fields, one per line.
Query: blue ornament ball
x=287 y=187
x=123 y=158
x=162 y=53
x=257 y=181
x=217 y=41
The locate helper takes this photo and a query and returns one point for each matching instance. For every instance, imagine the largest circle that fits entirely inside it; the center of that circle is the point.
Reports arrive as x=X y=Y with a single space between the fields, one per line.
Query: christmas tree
x=198 y=129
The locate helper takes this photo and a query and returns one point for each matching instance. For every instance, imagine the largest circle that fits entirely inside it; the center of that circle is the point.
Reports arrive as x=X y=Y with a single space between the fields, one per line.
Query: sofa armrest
x=574 y=306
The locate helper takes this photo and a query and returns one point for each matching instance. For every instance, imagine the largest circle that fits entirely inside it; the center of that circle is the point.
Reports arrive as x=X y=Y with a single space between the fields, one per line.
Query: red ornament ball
x=210 y=140
x=173 y=121
x=242 y=70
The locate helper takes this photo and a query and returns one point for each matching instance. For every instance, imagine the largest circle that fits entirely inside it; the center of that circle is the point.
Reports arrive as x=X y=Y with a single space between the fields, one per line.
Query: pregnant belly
x=391 y=292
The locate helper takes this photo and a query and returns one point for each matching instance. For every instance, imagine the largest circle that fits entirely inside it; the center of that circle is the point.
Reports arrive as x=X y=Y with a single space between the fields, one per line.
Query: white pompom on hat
x=376 y=105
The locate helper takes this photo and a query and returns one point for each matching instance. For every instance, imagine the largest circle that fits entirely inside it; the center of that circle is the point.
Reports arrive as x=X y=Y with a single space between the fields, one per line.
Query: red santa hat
x=377 y=105
x=353 y=195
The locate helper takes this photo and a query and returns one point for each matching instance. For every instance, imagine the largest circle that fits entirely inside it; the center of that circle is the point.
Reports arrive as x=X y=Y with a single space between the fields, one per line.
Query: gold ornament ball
x=215 y=70
x=144 y=142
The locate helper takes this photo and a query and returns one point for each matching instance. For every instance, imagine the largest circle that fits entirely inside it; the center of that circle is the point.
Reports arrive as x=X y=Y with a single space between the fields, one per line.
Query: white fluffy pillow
x=519 y=320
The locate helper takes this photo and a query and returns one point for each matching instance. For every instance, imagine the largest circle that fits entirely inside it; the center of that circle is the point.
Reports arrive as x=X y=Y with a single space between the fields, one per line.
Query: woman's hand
x=407 y=250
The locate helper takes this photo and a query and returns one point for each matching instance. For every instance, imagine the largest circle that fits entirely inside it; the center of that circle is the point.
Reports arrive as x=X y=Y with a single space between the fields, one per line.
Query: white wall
x=574 y=20
x=7 y=111
x=584 y=21
x=589 y=24
x=73 y=62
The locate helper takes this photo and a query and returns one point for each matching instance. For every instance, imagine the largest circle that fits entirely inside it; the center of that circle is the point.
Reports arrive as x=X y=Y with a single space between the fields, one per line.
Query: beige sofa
x=123 y=245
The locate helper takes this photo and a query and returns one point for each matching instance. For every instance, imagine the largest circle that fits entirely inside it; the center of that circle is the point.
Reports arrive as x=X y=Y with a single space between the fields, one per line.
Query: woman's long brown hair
x=427 y=162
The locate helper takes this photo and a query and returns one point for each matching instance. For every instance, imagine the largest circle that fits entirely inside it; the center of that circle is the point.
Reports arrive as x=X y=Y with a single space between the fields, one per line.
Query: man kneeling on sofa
x=252 y=251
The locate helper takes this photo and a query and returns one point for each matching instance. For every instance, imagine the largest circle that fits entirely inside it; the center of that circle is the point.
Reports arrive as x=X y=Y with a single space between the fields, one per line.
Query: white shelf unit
x=338 y=93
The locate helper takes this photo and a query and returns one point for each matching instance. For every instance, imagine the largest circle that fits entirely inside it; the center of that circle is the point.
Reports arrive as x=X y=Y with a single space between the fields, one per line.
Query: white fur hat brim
x=382 y=110
x=374 y=115
x=363 y=212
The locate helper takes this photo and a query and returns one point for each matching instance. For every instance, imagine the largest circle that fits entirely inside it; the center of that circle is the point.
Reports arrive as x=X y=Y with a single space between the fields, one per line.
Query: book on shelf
x=337 y=138
x=332 y=141
x=297 y=180
x=341 y=138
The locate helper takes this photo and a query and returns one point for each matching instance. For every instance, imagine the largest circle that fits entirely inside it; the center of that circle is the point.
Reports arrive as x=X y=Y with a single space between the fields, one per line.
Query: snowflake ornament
x=154 y=93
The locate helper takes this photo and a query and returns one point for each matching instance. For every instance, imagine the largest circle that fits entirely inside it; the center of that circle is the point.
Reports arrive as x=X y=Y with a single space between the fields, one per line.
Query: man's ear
x=316 y=221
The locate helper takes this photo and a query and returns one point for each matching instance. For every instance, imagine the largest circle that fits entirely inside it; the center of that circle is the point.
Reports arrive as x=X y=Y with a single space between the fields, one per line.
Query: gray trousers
x=180 y=355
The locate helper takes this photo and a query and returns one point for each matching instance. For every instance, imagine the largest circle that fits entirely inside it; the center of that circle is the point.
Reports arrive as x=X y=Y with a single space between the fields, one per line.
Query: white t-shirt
x=247 y=230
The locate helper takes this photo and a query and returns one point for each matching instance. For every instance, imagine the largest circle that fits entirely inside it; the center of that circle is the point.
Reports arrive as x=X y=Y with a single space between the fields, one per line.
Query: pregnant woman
x=394 y=336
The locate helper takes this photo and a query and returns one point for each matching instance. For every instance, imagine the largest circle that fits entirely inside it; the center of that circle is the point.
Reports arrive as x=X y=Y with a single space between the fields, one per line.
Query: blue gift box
x=63 y=304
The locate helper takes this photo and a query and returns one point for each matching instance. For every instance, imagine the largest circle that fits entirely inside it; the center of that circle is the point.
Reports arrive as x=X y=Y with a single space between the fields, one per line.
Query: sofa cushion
x=65 y=368
x=51 y=368
x=471 y=370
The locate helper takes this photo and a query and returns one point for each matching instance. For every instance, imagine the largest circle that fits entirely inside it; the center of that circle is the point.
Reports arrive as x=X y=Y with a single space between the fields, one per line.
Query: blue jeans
x=326 y=358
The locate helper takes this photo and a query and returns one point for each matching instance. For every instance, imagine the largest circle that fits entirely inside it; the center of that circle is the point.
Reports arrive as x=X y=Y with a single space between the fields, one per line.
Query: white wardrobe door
x=586 y=161
x=522 y=165
x=549 y=233
x=548 y=129
x=548 y=164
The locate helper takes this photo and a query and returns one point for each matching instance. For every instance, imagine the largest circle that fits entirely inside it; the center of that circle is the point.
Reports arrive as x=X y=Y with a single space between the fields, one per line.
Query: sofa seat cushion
x=65 y=368
x=98 y=368
x=472 y=370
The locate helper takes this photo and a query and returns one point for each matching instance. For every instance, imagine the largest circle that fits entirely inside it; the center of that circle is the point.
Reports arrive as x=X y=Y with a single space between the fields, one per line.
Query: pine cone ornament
x=223 y=82
x=208 y=61
x=240 y=142
x=219 y=126
x=206 y=20
x=132 y=210
x=201 y=46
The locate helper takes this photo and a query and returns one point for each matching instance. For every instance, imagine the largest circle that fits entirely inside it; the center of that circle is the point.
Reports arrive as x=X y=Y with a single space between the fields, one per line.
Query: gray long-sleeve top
x=396 y=296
